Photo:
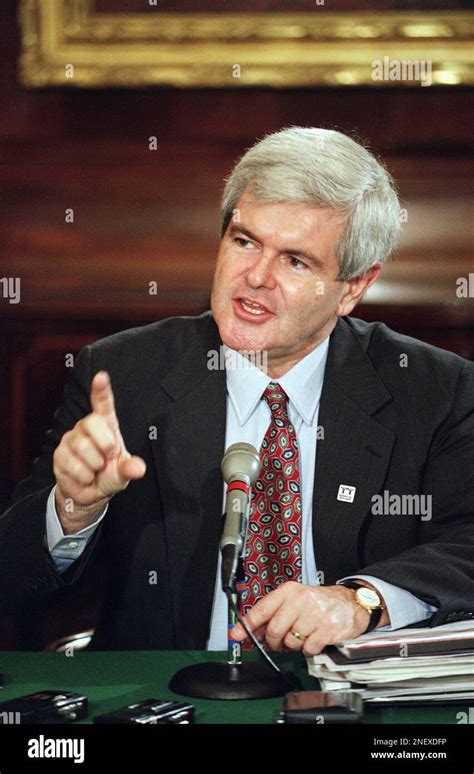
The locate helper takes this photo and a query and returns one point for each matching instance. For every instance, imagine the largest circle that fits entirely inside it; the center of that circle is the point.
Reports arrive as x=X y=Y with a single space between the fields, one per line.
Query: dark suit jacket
x=408 y=430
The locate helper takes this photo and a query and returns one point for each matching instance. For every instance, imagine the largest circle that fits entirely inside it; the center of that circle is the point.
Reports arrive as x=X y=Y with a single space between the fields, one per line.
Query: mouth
x=247 y=309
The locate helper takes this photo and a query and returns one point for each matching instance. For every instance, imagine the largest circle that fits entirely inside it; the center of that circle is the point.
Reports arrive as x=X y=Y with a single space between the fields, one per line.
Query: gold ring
x=298 y=635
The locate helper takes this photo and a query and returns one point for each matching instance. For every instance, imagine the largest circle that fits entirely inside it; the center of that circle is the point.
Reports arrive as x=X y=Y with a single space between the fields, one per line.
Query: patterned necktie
x=273 y=550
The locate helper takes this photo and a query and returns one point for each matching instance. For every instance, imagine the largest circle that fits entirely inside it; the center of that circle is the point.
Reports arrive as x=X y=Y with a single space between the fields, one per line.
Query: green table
x=114 y=679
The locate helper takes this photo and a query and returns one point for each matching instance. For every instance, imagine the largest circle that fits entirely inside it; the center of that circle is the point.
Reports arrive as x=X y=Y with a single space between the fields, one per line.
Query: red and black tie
x=273 y=549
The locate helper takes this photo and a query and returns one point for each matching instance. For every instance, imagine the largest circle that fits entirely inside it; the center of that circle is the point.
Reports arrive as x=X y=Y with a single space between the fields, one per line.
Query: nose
x=262 y=272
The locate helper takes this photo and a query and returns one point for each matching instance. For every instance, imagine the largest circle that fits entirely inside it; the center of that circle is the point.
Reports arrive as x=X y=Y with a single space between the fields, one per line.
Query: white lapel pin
x=346 y=493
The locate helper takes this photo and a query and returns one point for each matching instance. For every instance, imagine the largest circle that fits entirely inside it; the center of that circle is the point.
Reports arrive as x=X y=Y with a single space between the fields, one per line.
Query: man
x=346 y=415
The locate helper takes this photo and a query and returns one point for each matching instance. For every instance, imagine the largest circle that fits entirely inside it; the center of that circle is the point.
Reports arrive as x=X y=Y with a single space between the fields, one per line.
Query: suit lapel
x=355 y=452
x=187 y=456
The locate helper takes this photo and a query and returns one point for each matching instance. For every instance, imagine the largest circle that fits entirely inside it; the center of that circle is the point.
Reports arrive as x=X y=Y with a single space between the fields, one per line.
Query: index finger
x=259 y=615
x=102 y=397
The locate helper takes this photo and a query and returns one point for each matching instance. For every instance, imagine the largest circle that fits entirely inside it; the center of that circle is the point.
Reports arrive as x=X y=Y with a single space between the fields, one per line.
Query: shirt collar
x=303 y=383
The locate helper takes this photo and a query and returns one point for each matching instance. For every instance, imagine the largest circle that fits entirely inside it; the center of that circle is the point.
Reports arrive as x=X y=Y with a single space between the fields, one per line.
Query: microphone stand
x=232 y=679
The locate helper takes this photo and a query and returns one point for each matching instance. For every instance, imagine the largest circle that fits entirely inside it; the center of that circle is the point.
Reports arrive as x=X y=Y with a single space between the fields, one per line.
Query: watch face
x=368 y=597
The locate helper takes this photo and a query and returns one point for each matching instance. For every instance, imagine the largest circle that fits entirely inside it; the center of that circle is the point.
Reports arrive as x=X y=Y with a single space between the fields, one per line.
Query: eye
x=296 y=263
x=242 y=242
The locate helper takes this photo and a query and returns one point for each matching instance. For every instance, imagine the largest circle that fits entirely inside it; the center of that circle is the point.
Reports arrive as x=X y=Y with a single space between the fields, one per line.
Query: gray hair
x=324 y=168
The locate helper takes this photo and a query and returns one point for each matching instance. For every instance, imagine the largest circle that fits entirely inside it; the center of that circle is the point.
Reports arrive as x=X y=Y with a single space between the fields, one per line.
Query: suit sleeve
x=27 y=570
x=440 y=570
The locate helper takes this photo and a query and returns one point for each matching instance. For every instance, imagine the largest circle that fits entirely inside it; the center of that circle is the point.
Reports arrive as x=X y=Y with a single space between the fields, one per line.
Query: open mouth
x=250 y=309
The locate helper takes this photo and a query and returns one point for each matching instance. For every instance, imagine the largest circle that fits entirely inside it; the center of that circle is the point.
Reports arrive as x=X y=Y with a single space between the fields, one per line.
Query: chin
x=238 y=335
x=238 y=340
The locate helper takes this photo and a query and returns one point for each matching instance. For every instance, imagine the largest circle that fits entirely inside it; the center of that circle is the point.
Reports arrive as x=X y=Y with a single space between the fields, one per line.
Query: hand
x=91 y=463
x=322 y=615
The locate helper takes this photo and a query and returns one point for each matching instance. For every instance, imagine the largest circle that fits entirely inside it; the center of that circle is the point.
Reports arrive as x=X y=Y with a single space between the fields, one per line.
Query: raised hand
x=91 y=463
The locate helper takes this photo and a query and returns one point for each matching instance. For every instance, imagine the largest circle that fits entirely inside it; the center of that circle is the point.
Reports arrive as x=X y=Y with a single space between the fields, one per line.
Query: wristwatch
x=368 y=599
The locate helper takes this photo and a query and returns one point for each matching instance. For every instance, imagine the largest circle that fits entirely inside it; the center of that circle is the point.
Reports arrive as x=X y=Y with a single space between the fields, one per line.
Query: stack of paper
x=450 y=638
x=416 y=664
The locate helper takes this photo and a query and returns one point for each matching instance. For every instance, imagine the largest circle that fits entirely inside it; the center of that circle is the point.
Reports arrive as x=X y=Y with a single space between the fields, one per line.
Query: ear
x=354 y=289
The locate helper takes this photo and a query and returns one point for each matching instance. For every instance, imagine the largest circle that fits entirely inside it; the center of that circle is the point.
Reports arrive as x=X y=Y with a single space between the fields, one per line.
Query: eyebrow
x=296 y=253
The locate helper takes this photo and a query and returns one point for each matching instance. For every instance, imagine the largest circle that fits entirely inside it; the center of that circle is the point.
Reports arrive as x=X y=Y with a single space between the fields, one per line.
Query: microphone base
x=220 y=680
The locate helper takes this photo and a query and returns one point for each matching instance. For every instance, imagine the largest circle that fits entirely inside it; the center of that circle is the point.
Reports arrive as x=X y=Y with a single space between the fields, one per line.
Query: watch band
x=375 y=614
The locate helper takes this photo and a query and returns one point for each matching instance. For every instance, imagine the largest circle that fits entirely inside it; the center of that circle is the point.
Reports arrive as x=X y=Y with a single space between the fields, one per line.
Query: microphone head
x=241 y=460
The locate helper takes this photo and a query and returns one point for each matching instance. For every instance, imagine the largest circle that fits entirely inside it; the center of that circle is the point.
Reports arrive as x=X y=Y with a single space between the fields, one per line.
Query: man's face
x=275 y=286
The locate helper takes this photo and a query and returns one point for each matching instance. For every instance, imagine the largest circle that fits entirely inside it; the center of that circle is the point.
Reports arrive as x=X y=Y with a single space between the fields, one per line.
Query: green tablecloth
x=114 y=679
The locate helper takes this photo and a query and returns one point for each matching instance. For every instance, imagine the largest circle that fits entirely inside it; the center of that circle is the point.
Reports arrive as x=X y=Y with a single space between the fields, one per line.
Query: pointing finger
x=102 y=398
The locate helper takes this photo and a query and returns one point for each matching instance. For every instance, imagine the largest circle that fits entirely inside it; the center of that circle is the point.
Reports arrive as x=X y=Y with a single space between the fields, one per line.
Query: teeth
x=257 y=309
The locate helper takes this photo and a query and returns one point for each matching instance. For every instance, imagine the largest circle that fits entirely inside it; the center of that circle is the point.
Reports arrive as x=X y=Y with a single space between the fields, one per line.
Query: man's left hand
x=320 y=615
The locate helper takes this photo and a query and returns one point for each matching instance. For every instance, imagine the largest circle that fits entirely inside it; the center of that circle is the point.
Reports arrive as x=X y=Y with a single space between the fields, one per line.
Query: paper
x=430 y=675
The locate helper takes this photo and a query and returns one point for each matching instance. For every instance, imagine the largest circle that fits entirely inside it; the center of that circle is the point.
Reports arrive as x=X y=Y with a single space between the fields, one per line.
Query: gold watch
x=369 y=599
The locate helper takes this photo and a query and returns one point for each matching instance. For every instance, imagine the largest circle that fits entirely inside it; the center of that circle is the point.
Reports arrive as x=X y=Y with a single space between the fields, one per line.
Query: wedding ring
x=298 y=635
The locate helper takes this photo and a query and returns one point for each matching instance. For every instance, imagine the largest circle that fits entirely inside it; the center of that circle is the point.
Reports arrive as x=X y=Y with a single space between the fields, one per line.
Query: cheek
x=220 y=279
x=307 y=304
x=226 y=270
x=300 y=299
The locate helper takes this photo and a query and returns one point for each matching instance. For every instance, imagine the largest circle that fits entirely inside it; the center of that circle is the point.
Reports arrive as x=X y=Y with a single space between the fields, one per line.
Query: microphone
x=235 y=679
x=240 y=467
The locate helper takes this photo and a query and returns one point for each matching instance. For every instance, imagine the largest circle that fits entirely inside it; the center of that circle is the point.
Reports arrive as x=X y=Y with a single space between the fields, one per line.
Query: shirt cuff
x=403 y=607
x=63 y=546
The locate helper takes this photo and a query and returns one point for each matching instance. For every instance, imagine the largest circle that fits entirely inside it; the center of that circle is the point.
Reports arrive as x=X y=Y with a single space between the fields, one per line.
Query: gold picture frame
x=66 y=43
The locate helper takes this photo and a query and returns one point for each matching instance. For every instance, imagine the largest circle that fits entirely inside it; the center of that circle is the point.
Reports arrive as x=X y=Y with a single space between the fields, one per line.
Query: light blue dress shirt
x=248 y=417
